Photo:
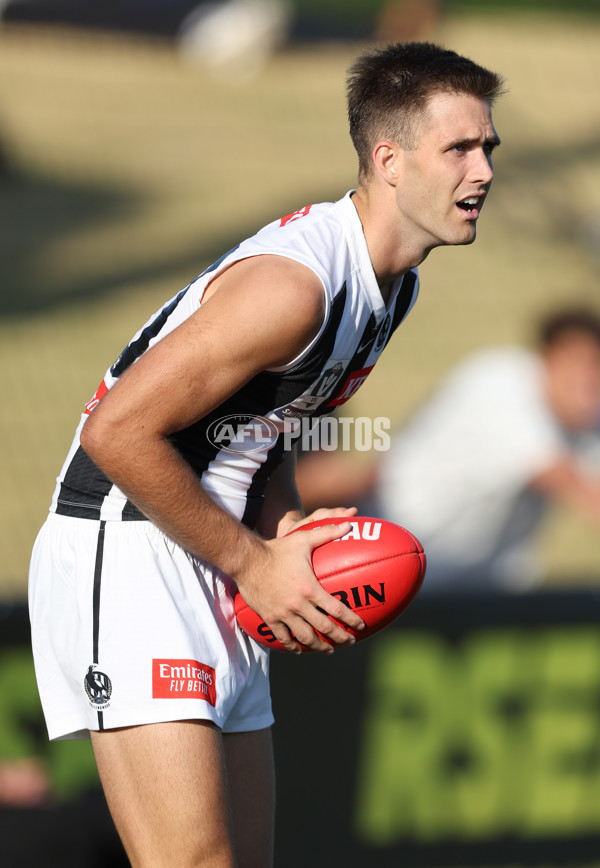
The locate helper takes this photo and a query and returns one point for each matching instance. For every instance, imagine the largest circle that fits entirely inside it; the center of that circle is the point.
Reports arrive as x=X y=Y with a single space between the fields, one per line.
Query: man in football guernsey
x=179 y=485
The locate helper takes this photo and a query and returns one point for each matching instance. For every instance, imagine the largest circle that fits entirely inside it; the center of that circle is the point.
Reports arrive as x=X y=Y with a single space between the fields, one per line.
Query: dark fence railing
x=467 y=733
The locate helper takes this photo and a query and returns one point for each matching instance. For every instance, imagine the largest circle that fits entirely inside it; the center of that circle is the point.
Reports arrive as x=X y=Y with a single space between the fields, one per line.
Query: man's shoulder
x=322 y=219
x=319 y=236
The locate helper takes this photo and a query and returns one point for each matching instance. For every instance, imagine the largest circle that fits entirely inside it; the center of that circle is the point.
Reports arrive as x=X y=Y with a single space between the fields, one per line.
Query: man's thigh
x=166 y=787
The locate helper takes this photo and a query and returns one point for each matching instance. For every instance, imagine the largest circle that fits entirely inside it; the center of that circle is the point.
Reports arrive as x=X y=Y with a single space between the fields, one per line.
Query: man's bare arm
x=283 y=511
x=243 y=328
x=566 y=483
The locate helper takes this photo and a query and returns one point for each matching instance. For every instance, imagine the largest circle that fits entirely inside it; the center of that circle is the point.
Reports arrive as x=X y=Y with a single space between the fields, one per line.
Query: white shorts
x=128 y=628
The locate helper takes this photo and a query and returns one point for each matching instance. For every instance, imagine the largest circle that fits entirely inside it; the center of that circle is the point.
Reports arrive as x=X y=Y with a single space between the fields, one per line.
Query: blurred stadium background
x=127 y=164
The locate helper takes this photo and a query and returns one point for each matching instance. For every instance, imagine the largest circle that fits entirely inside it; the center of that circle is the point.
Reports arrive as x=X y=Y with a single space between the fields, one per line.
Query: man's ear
x=387 y=161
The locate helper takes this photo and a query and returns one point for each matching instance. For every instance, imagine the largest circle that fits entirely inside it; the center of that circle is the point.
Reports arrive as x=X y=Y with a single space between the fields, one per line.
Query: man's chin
x=468 y=237
x=458 y=239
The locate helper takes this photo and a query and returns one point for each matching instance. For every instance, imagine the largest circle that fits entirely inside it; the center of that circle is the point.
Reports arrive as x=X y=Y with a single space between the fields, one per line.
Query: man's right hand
x=280 y=585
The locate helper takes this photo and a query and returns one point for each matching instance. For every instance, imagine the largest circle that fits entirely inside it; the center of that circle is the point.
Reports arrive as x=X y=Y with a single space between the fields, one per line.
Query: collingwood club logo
x=98 y=687
x=383 y=333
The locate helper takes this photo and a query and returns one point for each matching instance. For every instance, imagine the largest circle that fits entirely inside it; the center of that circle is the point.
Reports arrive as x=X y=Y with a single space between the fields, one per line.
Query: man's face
x=445 y=179
x=573 y=380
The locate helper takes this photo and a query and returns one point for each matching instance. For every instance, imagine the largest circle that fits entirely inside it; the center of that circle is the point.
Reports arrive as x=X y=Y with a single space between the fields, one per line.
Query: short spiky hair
x=389 y=89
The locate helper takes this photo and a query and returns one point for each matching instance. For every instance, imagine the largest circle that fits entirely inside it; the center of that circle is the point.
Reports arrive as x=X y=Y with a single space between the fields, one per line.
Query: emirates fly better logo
x=183 y=679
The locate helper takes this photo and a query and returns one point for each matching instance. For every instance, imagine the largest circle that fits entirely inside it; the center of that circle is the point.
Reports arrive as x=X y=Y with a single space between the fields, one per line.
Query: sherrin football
x=376 y=569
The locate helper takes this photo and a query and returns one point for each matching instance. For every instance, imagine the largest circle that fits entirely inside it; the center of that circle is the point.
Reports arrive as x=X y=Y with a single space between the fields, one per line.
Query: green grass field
x=125 y=171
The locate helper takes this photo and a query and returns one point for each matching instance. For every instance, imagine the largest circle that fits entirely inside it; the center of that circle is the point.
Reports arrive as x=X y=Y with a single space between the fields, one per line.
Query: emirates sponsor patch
x=183 y=679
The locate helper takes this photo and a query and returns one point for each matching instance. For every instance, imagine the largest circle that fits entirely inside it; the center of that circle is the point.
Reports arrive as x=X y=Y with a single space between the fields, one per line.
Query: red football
x=376 y=569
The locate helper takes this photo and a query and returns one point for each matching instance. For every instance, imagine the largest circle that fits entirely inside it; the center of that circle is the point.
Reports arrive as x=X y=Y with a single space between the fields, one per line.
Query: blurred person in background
x=506 y=433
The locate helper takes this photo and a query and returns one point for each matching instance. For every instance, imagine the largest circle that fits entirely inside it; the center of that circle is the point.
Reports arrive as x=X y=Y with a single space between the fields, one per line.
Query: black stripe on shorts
x=96 y=606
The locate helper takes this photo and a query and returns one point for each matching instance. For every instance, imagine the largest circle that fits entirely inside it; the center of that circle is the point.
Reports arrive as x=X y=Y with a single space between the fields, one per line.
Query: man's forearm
x=154 y=476
x=282 y=506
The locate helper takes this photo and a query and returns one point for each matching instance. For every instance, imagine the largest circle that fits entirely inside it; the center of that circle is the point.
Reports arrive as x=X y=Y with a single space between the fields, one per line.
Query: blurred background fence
x=466 y=734
x=127 y=164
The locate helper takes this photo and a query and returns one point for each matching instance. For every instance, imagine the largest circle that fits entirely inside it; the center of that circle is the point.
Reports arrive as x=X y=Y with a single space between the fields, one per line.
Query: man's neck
x=392 y=253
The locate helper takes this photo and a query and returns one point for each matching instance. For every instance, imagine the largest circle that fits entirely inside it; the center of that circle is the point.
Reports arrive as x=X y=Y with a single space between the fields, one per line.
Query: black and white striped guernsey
x=328 y=238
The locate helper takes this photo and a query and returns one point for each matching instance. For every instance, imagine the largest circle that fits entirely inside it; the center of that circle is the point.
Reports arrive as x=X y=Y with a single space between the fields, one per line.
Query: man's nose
x=483 y=169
